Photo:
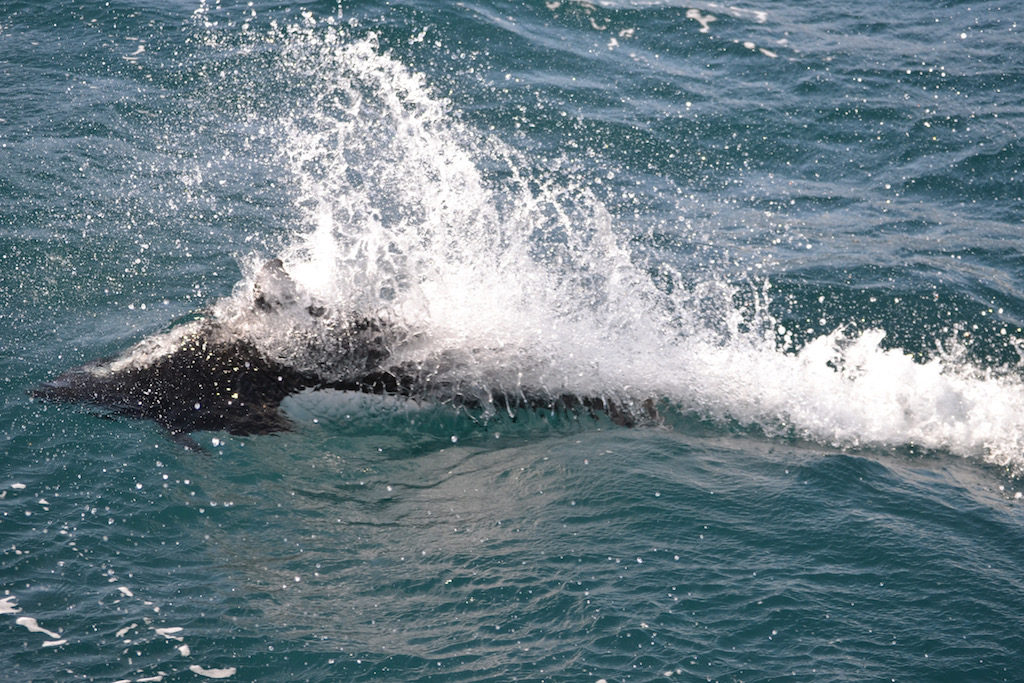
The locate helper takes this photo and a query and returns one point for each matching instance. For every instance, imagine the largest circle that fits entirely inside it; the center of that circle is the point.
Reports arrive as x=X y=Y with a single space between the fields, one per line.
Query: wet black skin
x=206 y=384
x=232 y=387
x=214 y=381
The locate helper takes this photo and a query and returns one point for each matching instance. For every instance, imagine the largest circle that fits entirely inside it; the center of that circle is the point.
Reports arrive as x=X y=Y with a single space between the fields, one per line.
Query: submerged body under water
x=795 y=230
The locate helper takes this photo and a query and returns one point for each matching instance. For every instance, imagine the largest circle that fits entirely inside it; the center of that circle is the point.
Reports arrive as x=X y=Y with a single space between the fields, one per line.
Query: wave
x=519 y=276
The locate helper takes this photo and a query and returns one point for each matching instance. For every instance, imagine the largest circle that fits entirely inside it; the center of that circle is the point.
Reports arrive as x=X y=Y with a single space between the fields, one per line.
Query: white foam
x=850 y=391
x=703 y=19
x=212 y=673
x=32 y=625
x=500 y=277
x=122 y=632
x=8 y=605
x=170 y=632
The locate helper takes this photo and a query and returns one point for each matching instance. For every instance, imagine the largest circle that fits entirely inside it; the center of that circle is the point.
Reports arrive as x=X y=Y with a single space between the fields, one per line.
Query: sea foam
x=501 y=276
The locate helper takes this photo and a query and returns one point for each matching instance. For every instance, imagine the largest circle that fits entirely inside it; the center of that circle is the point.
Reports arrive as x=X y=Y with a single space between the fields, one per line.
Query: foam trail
x=9 y=605
x=32 y=625
x=212 y=673
x=852 y=392
x=503 y=277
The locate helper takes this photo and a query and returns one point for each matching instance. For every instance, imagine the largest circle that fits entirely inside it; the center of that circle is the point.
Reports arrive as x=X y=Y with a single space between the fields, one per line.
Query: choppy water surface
x=796 y=229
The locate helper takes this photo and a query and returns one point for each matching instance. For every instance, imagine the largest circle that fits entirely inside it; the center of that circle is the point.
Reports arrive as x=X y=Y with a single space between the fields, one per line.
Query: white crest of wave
x=517 y=277
x=850 y=391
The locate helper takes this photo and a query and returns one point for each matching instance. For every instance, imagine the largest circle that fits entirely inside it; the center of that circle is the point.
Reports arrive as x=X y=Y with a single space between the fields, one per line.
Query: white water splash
x=212 y=673
x=851 y=392
x=170 y=632
x=501 y=277
x=9 y=605
x=33 y=625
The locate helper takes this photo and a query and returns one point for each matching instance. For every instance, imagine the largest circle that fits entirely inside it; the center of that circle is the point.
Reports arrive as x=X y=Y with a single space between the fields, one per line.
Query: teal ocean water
x=797 y=228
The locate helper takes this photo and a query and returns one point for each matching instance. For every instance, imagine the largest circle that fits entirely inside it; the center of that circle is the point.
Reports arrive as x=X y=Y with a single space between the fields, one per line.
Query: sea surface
x=796 y=227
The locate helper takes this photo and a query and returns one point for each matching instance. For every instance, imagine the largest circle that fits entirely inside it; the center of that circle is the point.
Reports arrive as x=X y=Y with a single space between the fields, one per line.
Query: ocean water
x=796 y=227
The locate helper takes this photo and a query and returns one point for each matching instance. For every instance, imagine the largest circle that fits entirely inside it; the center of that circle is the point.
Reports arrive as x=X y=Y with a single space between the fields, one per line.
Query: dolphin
x=204 y=376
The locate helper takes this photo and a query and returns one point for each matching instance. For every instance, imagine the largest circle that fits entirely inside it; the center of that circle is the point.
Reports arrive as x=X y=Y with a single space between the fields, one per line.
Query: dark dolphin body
x=207 y=382
x=201 y=376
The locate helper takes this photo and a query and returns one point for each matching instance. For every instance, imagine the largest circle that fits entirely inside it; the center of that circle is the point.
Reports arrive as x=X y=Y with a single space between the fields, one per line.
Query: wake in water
x=506 y=286
x=212 y=374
